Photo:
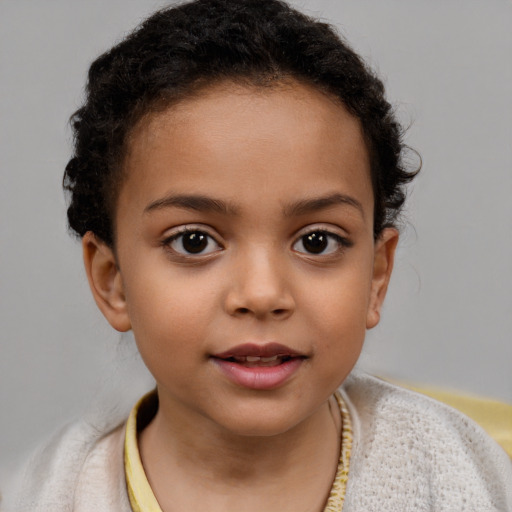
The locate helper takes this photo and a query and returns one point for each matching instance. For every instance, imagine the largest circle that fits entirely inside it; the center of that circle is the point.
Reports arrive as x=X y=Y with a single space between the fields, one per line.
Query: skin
x=265 y=154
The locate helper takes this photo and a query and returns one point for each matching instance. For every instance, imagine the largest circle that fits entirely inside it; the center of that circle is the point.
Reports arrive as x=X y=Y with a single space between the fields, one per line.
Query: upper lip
x=255 y=350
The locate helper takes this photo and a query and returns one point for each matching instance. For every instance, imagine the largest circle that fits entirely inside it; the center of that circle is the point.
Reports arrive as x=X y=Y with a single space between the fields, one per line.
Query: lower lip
x=259 y=377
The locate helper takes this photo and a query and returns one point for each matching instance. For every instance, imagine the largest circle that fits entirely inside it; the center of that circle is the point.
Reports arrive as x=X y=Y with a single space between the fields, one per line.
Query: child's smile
x=259 y=366
x=248 y=270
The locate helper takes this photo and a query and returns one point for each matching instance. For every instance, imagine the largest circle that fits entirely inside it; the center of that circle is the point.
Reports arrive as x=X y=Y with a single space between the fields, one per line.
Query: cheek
x=169 y=313
x=342 y=300
x=338 y=311
x=341 y=329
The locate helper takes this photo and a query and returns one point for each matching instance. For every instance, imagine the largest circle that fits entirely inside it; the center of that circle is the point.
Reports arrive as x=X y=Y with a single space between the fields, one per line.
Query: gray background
x=448 y=318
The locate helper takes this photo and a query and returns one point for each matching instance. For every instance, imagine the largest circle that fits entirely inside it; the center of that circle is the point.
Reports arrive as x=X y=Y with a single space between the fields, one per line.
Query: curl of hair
x=178 y=51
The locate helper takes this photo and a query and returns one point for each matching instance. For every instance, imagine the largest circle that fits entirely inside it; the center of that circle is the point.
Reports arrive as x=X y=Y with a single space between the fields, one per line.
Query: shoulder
x=80 y=467
x=423 y=450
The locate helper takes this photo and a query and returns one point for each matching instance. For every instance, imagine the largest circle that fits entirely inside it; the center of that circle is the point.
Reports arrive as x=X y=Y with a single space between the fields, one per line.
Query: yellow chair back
x=493 y=416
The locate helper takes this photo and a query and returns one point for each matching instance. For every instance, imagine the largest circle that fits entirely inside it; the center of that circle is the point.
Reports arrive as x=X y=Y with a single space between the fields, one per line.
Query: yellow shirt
x=140 y=493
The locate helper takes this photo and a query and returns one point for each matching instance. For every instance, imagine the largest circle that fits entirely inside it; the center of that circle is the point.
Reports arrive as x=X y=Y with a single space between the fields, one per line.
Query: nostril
x=274 y=312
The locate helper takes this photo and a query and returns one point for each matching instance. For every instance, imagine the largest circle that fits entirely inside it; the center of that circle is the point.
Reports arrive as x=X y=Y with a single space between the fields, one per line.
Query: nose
x=260 y=288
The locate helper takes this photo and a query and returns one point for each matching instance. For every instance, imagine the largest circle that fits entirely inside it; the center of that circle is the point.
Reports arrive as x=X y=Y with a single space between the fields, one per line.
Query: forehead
x=232 y=140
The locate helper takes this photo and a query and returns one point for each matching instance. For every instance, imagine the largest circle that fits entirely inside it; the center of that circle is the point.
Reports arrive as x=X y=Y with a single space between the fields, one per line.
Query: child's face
x=245 y=228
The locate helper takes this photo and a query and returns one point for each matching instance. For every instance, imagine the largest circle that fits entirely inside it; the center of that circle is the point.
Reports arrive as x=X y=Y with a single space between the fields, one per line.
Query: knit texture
x=411 y=452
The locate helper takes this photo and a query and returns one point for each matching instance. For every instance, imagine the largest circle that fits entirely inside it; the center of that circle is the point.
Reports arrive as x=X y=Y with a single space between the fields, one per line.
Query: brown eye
x=193 y=243
x=320 y=242
x=315 y=243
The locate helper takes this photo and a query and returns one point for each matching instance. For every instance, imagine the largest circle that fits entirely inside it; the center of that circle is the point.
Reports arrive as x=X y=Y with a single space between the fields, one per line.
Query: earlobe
x=105 y=281
x=385 y=247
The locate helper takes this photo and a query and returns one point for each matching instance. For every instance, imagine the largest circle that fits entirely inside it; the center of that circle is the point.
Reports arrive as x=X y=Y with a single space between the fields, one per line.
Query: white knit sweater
x=410 y=453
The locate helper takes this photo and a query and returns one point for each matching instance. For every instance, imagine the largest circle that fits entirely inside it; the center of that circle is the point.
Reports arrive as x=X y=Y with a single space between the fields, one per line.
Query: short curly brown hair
x=181 y=49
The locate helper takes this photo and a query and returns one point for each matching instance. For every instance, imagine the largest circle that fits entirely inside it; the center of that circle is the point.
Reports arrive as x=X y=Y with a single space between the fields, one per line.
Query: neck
x=194 y=455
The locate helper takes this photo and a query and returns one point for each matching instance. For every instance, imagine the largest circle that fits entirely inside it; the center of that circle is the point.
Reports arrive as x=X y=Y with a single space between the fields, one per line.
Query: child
x=236 y=182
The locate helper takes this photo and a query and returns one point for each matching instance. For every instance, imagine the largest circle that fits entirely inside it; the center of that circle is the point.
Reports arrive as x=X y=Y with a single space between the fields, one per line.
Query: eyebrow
x=315 y=204
x=192 y=202
x=202 y=203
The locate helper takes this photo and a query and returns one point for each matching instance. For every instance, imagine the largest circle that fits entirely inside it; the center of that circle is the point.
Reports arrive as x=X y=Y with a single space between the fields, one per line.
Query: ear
x=105 y=281
x=384 y=256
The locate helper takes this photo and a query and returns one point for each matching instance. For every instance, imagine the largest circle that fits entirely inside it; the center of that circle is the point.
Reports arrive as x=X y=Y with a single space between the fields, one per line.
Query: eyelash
x=342 y=243
x=203 y=236
x=175 y=237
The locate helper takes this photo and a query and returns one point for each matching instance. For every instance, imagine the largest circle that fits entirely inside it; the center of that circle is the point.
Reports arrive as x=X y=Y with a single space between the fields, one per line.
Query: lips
x=261 y=367
x=258 y=361
x=268 y=350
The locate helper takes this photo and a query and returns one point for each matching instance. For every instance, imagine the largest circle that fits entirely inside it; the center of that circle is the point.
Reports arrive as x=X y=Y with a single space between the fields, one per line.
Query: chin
x=258 y=423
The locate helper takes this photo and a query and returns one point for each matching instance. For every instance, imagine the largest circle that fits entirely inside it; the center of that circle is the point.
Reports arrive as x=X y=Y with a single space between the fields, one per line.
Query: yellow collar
x=140 y=493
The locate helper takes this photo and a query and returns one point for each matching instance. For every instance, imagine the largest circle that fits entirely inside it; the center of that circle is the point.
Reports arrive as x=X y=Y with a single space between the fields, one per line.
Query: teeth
x=257 y=359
